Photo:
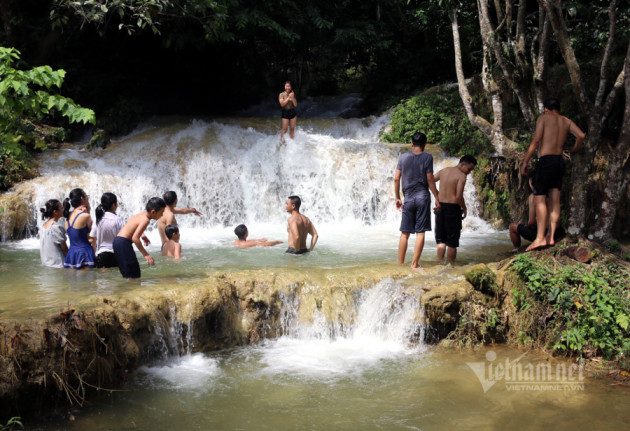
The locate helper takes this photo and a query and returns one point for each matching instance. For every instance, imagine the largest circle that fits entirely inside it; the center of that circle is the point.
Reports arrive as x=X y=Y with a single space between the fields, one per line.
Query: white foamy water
x=193 y=372
x=386 y=327
x=236 y=171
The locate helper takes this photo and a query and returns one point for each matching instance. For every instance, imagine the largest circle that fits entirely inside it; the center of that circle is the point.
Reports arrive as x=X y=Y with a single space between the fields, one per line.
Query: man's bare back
x=549 y=138
x=452 y=182
x=299 y=227
x=552 y=130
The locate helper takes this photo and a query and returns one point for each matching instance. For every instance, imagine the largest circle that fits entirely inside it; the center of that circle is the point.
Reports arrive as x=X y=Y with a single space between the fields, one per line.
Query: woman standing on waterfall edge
x=288 y=102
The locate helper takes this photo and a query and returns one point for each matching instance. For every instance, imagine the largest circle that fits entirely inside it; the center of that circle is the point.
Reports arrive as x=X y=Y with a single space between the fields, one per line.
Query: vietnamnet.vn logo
x=519 y=375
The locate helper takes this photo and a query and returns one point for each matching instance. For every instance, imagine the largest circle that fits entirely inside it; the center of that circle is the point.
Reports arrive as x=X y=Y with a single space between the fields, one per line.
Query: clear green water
x=205 y=251
x=421 y=390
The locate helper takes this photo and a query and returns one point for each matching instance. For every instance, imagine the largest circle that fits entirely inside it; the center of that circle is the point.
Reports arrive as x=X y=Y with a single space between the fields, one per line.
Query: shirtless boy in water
x=299 y=227
x=448 y=219
x=551 y=133
x=172 y=247
x=242 y=242
x=170 y=198
x=131 y=233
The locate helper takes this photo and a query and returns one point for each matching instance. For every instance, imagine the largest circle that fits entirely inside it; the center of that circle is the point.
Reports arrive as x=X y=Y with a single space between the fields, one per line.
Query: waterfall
x=386 y=324
x=236 y=170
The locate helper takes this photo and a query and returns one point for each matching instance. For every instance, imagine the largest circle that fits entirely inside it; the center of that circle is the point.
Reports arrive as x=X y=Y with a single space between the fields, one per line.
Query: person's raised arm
x=579 y=137
x=136 y=240
x=293 y=99
x=397 y=189
x=431 y=180
x=186 y=211
x=538 y=134
x=314 y=236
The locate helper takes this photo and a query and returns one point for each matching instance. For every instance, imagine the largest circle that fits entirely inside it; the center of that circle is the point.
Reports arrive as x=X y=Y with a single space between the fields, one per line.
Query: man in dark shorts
x=415 y=168
x=448 y=220
x=528 y=231
x=288 y=102
x=549 y=138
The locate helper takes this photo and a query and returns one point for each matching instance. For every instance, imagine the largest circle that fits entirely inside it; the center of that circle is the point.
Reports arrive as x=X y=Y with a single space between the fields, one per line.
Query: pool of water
x=206 y=251
x=293 y=384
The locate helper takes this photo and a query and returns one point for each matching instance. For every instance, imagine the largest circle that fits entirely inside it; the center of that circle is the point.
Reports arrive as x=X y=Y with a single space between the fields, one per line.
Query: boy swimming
x=172 y=247
x=242 y=233
x=131 y=233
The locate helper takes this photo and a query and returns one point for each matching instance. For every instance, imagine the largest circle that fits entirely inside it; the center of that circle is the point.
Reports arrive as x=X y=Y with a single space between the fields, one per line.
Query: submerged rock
x=15 y=213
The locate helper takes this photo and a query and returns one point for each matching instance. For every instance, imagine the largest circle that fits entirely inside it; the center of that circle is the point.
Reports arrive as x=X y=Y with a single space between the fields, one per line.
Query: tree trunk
x=554 y=10
x=495 y=136
x=615 y=181
x=539 y=58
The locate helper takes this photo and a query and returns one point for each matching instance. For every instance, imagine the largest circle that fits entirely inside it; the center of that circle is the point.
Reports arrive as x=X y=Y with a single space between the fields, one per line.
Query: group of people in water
x=108 y=242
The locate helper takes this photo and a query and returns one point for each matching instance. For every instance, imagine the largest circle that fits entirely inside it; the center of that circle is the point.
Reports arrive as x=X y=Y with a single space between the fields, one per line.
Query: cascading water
x=386 y=324
x=236 y=171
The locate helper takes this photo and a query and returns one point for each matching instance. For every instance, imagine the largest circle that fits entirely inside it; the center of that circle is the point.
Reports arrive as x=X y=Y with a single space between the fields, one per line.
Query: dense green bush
x=441 y=116
x=588 y=305
x=26 y=105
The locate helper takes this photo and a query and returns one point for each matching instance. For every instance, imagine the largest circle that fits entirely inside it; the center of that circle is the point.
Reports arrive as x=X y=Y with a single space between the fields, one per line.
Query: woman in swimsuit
x=52 y=237
x=288 y=103
x=78 y=224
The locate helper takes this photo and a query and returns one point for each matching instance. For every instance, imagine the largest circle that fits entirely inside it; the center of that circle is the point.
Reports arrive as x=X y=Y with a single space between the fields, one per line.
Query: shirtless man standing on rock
x=549 y=137
x=448 y=219
x=299 y=227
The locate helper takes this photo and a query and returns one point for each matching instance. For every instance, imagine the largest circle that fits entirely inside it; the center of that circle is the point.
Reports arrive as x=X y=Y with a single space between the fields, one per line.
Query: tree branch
x=554 y=9
x=612 y=12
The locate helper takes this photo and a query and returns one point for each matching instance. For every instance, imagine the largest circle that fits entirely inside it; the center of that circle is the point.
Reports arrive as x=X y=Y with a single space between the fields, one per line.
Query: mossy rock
x=482 y=279
x=100 y=139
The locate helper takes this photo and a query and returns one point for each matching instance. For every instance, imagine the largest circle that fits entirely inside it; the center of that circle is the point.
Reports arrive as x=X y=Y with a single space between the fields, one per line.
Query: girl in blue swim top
x=78 y=224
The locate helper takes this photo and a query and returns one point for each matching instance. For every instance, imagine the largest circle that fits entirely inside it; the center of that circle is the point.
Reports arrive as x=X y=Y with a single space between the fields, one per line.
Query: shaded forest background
x=202 y=57
x=129 y=59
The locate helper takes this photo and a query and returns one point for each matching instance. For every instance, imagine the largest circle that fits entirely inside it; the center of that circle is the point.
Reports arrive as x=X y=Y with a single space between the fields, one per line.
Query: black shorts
x=127 y=261
x=291 y=250
x=288 y=114
x=416 y=214
x=549 y=172
x=448 y=224
x=529 y=232
x=106 y=260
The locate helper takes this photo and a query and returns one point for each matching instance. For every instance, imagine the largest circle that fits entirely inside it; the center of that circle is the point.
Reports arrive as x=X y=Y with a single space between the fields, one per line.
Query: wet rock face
x=15 y=213
x=96 y=344
x=441 y=304
x=482 y=279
